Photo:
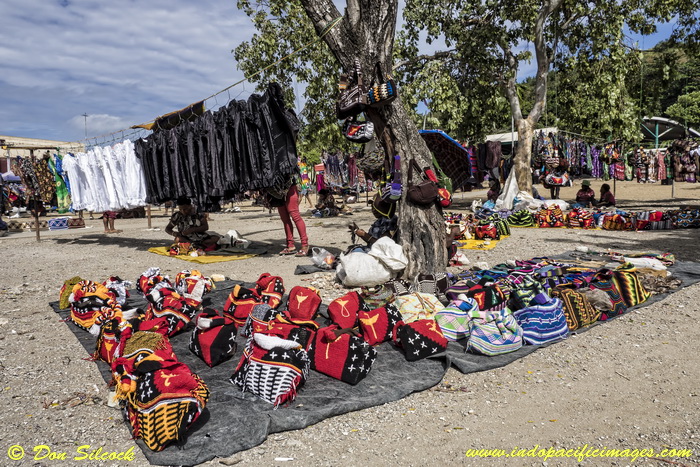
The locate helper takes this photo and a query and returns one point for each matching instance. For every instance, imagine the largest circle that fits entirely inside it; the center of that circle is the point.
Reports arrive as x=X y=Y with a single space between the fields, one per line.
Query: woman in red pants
x=289 y=213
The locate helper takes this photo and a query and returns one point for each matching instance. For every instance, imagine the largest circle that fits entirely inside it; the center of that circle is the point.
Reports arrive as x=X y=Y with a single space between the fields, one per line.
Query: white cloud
x=127 y=60
x=98 y=124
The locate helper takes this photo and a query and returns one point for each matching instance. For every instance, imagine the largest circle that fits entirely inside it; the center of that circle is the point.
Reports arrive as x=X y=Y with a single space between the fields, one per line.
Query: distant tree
x=686 y=110
x=495 y=37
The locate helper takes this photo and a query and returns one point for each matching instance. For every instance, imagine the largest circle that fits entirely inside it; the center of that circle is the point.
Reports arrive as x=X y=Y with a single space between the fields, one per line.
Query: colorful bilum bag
x=542 y=323
x=167 y=303
x=108 y=341
x=258 y=319
x=578 y=310
x=240 y=302
x=214 y=337
x=341 y=354
x=522 y=218
x=358 y=131
x=603 y=280
x=528 y=292
x=687 y=219
x=352 y=99
x=378 y=325
x=91 y=305
x=272 y=368
x=494 y=333
x=420 y=339
x=551 y=216
x=454 y=319
x=160 y=395
x=383 y=91
x=489 y=296
x=580 y=218
x=628 y=283
x=167 y=401
x=377 y=297
x=416 y=305
x=616 y=222
x=393 y=188
x=193 y=286
x=557 y=179
x=482 y=232
x=343 y=310
x=425 y=192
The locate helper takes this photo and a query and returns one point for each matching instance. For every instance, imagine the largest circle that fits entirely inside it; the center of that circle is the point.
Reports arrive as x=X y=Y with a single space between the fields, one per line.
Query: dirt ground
x=631 y=384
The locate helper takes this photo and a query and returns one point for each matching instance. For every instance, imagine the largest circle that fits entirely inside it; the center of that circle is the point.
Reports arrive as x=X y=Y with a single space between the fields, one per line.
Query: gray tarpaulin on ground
x=235 y=421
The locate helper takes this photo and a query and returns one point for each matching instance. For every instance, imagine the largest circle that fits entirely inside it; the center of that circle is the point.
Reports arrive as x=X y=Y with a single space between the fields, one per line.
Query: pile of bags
x=160 y=396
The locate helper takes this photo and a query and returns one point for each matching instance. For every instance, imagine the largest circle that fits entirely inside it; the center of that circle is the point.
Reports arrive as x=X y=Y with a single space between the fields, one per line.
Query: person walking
x=291 y=217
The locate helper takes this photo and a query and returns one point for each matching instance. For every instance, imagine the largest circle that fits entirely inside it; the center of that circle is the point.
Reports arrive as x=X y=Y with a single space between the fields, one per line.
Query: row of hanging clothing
x=102 y=179
x=105 y=178
x=615 y=161
x=486 y=159
x=243 y=146
x=340 y=171
x=43 y=181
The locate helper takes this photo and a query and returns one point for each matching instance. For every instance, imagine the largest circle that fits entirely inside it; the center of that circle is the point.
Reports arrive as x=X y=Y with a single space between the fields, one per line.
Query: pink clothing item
x=290 y=213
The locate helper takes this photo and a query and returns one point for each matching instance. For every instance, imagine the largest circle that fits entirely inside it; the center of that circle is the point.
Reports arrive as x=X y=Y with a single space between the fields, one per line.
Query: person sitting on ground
x=108 y=221
x=494 y=191
x=325 y=205
x=385 y=225
x=606 y=196
x=191 y=226
x=585 y=196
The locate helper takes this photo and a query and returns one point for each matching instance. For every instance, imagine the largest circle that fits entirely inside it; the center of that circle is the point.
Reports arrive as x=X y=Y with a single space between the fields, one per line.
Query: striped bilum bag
x=494 y=333
x=543 y=323
x=578 y=310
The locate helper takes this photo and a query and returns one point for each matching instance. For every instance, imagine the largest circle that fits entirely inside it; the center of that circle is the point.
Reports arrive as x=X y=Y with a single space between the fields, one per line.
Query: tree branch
x=425 y=57
x=321 y=13
x=511 y=91
x=543 y=59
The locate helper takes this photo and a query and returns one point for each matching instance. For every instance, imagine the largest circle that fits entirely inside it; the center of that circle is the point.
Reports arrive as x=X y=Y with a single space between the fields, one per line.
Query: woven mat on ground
x=235 y=421
x=224 y=254
x=477 y=244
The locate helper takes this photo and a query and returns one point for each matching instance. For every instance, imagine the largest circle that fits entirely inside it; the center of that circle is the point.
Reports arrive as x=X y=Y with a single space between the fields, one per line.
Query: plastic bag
x=322 y=257
x=390 y=254
x=361 y=269
x=476 y=205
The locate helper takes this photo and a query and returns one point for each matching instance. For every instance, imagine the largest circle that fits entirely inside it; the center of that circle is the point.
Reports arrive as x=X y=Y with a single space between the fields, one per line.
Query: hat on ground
x=586 y=183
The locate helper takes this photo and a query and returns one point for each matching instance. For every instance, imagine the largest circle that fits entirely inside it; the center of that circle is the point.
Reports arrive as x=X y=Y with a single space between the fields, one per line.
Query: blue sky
x=121 y=62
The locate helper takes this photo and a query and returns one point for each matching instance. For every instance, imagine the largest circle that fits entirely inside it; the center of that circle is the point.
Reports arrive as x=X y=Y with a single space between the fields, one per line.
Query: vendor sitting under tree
x=385 y=225
x=189 y=226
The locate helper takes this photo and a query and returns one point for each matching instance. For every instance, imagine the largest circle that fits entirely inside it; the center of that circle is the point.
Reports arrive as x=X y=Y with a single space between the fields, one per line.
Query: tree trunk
x=367 y=33
x=521 y=162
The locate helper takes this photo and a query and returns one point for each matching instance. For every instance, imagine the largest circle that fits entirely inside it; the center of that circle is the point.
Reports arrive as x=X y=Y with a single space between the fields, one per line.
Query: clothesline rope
x=86 y=142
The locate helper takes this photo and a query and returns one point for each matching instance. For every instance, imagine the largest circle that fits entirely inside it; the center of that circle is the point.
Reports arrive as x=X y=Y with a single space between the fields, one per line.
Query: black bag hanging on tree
x=353 y=94
x=358 y=131
x=425 y=192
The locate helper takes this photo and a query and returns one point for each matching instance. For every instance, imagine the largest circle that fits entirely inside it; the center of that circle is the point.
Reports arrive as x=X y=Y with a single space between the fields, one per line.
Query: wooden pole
x=148 y=214
x=36 y=202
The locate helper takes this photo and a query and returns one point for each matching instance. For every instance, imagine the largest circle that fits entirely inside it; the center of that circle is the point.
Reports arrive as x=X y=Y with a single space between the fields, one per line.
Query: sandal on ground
x=303 y=251
x=287 y=251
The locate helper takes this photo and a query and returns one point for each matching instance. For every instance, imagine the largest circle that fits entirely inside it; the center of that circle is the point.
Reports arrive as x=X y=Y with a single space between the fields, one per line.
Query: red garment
x=608 y=199
x=290 y=212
